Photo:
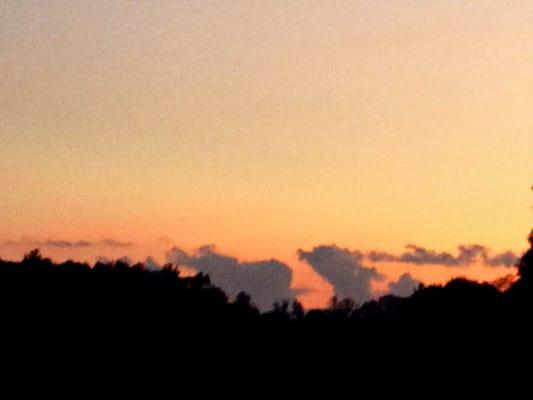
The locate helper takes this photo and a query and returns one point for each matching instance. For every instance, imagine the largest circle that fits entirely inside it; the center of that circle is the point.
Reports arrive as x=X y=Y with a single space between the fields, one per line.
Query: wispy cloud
x=465 y=255
x=505 y=259
x=67 y=244
x=115 y=243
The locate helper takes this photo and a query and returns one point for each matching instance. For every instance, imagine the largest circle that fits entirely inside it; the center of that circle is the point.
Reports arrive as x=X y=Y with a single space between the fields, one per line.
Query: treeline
x=116 y=304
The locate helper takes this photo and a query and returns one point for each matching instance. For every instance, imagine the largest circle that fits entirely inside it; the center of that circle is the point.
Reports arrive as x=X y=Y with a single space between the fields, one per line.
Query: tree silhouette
x=525 y=265
x=116 y=304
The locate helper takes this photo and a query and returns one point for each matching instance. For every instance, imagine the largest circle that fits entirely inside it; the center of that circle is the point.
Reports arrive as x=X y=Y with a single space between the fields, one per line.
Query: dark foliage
x=115 y=305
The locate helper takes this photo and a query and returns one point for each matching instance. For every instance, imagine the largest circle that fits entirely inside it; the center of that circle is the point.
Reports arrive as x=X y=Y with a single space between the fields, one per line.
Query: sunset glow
x=265 y=127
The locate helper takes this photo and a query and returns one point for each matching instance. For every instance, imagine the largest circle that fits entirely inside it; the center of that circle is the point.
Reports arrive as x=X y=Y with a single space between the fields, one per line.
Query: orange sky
x=264 y=127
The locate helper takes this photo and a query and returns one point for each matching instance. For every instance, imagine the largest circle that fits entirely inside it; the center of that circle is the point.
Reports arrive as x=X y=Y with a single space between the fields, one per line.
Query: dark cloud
x=116 y=243
x=381 y=256
x=420 y=255
x=344 y=269
x=67 y=244
x=505 y=259
x=265 y=281
x=469 y=254
x=404 y=286
x=152 y=265
x=465 y=255
x=126 y=260
x=103 y=260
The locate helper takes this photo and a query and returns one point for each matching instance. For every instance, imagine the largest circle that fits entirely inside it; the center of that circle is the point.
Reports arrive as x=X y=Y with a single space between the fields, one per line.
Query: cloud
x=465 y=255
x=152 y=265
x=381 y=256
x=126 y=260
x=344 y=269
x=469 y=254
x=115 y=243
x=265 y=281
x=67 y=244
x=420 y=255
x=404 y=286
x=505 y=259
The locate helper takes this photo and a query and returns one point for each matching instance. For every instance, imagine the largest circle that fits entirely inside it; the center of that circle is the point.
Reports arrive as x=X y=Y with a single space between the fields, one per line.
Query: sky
x=269 y=130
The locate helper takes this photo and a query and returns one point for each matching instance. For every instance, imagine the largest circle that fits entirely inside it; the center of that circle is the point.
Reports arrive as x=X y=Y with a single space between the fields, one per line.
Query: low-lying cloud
x=115 y=243
x=465 y=255
x=344 y=270
x=350 y=276
x=68 y=244
x=152 y=265
x=404 y=286
x=65 y=244
x=505 y=259
x=266 y=281
x=350 y=272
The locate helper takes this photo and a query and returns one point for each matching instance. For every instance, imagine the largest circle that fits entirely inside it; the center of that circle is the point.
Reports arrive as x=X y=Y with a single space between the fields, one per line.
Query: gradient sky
x=266 y=126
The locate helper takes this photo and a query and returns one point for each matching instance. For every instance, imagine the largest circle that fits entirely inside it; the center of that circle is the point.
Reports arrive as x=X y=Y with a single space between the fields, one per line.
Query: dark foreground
x=115 y=310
